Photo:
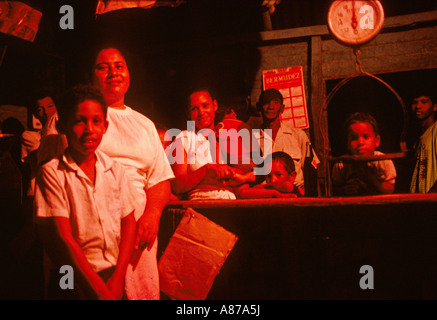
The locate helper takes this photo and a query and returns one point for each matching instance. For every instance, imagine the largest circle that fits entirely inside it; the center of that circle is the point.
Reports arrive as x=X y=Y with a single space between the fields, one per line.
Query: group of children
x=85 y=200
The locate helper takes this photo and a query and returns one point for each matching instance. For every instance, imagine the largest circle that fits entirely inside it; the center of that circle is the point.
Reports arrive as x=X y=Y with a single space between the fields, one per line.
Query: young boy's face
x=423 y=107
x=362 y=139
x=86 y=128
x=278 y=174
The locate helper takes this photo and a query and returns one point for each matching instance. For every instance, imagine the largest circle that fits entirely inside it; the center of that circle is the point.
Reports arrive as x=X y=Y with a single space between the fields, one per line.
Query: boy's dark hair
x=11 y=125
x=40 y=94
x=68 y=102
x=425 y=89
x=285 y=159
x=426 y=93
x=361 y=117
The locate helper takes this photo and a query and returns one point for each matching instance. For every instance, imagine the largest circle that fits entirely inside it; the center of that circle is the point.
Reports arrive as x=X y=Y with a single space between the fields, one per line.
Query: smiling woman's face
x=202 y=110
x=111 y=75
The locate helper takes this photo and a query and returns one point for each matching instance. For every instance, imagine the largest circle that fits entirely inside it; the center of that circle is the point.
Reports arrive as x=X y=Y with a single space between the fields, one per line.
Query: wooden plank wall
x=281 y=56
x=389 y=52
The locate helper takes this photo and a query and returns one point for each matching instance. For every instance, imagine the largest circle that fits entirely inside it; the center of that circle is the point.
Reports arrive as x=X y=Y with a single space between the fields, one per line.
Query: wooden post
x=317 y=104
x=267 y=21
x=2 y=53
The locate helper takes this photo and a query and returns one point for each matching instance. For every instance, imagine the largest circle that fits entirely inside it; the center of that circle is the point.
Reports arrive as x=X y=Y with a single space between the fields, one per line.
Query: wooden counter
x=313 y=248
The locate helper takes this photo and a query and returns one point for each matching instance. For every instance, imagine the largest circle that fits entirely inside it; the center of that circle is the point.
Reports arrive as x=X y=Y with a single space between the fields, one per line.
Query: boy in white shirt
x=85 y=204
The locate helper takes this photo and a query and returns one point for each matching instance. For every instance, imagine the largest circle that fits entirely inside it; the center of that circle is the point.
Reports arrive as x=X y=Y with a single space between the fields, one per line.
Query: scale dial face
x=355 y=22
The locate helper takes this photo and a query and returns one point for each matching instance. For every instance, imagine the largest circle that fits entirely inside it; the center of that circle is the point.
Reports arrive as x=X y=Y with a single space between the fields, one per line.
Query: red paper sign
x=289 y=81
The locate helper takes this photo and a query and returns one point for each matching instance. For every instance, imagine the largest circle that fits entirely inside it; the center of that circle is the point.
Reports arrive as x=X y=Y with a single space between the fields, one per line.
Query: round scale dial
x=355 y=22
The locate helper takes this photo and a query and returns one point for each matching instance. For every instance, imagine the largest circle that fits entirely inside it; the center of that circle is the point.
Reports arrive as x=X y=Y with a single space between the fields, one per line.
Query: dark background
x=59 y=58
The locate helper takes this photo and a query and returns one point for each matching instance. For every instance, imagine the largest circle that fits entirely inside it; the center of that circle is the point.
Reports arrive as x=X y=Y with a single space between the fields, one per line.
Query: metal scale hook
x=327 y=158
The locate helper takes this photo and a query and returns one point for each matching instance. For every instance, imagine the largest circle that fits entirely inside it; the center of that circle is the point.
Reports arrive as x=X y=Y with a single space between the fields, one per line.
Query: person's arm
x=240 y=179
x=383 y=187
x=433 y=189
x=148 y=224
x=62 y=248
x=259 y=191
x=377 y=178
x=127 y=235
x=185 y=181
x=284 y=187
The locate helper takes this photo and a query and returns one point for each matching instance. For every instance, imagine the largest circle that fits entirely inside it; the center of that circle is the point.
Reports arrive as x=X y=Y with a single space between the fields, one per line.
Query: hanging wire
x=2 y=53
x=359 y=72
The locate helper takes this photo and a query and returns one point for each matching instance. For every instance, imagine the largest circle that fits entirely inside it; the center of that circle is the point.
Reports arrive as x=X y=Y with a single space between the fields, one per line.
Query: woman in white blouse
x=133 y=140
x=196 y=157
